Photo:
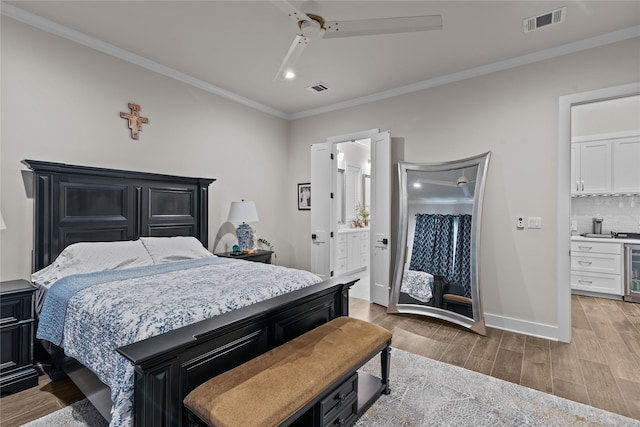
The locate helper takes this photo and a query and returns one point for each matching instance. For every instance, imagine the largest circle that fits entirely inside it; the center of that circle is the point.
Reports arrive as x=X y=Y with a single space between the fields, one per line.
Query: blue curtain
x=433 y=248
x=462 y=259
x=432 y=244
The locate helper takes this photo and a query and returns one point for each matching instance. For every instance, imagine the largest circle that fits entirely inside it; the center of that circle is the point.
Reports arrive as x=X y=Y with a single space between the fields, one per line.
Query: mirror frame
x=476 y=323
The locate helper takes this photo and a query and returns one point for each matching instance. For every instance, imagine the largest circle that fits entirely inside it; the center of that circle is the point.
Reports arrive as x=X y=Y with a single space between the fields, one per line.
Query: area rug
x=425 y=392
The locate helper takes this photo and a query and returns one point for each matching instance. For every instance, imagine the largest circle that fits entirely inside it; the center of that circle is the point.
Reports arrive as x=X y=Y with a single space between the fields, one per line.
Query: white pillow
x=89 y=257
x=167 y=249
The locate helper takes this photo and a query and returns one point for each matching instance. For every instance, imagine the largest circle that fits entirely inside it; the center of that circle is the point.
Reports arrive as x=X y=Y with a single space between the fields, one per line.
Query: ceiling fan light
x=310 y=28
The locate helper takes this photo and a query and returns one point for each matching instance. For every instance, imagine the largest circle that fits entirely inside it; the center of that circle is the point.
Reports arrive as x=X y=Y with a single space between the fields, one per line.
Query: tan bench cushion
x=270 y=388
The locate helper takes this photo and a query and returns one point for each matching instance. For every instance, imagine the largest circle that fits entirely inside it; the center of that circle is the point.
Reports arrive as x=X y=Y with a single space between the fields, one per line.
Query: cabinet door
x=595 y=167
x=353 y=251
x=626 y=165
x=575 y=169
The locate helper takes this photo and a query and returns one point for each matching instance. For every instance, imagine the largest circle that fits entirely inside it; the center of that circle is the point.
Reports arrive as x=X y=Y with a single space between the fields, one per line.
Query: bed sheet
x=112 y=310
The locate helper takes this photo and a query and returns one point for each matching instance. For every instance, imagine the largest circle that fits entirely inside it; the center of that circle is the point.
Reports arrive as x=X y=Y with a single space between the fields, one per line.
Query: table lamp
x=243 y=212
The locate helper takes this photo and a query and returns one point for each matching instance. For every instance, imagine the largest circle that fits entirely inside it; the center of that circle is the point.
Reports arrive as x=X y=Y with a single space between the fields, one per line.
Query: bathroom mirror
x=436 y=272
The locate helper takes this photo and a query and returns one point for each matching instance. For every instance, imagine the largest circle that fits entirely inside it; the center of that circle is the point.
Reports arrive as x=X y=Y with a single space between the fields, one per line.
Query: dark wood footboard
x=170 y=365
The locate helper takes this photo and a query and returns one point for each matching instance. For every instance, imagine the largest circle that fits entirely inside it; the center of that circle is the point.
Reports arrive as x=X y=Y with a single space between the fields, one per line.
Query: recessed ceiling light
x=289 y=75
x=417 y=185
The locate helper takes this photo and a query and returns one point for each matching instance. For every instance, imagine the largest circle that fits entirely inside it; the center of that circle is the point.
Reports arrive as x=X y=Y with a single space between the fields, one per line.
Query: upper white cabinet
x=606 y=166
x=626 y=165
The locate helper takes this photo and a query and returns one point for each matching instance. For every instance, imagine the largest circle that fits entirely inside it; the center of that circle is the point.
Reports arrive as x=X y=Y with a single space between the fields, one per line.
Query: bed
x=78 y=204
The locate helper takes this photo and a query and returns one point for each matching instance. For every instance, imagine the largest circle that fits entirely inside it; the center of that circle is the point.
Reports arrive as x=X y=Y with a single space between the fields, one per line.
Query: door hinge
x=331 y=234
x=331 y=156
x=331 y=274
x=331 y=196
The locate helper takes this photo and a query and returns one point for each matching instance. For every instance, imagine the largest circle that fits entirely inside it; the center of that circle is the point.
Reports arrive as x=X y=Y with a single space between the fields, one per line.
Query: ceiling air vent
x=318 y=87
x=549 y=18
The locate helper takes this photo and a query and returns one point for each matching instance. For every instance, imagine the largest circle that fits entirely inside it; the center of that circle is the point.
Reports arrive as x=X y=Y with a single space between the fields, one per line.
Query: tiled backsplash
x=620 y=213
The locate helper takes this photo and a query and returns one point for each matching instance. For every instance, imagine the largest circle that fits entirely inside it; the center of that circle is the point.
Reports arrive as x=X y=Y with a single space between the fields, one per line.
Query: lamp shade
x=3 y=226
x=243 y=212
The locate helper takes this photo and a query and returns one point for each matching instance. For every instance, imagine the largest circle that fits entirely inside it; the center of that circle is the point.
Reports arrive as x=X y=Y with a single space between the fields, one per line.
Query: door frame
x=563 y=217
x=366 y=134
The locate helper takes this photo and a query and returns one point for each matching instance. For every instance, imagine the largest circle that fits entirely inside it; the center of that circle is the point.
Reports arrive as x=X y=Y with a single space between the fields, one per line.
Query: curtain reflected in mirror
x=437 y=270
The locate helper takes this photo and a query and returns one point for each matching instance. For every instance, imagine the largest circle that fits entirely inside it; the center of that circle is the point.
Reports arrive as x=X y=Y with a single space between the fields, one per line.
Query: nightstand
x=259 y=256
x=17 y=324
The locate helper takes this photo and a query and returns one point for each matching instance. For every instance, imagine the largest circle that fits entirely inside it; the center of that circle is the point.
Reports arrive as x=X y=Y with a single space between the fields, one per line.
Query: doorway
x=564 y=194
x=341 y=242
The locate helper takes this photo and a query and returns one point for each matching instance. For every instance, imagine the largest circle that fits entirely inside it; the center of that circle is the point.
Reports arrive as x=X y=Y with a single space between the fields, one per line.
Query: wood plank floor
x=600 y=367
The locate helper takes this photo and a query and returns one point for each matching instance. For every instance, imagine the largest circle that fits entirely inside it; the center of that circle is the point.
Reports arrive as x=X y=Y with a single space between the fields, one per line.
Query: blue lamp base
x=244 y=233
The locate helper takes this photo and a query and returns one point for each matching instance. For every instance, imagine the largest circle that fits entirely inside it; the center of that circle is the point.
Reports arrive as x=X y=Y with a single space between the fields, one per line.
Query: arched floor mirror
x=436 y=272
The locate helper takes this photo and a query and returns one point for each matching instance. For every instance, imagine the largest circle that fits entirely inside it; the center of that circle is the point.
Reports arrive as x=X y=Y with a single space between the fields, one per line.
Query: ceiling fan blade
x=367 y=27
x=291 y=11
x=437 y=182
x=295 y=50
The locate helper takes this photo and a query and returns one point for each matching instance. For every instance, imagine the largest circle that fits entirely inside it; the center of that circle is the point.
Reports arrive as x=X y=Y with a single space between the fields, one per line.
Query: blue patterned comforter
x=90 y=315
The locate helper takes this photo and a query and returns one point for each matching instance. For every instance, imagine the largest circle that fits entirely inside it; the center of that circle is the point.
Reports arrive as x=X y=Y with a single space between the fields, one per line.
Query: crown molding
x=109 y=49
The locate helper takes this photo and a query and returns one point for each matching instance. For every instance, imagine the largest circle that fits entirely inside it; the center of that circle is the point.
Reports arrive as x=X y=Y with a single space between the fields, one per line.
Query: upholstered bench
x=311 y=378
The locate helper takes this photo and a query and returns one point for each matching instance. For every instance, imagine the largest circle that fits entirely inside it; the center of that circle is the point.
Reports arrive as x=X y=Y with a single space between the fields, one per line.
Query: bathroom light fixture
x=243 y=212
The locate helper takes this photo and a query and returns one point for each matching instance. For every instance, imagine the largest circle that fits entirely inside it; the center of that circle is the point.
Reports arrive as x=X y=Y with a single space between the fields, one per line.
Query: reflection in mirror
x=436 y=272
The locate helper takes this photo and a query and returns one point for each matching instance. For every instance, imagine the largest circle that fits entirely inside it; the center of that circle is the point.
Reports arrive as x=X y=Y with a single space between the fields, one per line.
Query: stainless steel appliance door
x=632 y=273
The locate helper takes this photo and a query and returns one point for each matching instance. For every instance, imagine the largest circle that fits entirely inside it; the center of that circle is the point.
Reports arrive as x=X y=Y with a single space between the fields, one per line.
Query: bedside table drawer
x=17 y=330
x=16 y=347
x=14 y=309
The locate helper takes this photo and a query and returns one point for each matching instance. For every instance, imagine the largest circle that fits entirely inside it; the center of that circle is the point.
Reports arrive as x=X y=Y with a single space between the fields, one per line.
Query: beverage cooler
x=632 y=272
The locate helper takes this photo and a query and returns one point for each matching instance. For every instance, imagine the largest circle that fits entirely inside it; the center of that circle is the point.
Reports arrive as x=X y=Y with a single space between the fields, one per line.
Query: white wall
x=614 y=115
x=61 y=103
x=513 y=114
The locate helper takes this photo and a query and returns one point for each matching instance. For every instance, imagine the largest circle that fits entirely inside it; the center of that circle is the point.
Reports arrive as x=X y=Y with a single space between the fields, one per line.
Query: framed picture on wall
x=304 y=196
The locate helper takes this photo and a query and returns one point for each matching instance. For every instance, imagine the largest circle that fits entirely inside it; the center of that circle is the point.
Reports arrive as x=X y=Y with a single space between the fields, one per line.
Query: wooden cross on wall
x=135 y=120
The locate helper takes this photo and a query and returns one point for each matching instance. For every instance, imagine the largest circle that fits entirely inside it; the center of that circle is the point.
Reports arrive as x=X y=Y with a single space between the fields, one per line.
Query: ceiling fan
x=311 y=26
x=462 y=182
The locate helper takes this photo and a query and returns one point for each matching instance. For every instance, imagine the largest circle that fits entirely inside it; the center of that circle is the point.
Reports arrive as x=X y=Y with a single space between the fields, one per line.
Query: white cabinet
x=626 y=165
x=606 y=166
x=591 y=167
x=341 y=255
x=364 y=249
x=596 y=267
x=352 y=251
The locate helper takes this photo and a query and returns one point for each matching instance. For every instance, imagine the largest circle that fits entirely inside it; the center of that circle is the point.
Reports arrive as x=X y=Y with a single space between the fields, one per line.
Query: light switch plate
x=534 y=222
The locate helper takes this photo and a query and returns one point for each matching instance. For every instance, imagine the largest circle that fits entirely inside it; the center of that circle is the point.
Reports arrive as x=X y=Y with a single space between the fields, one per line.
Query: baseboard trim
x=539 y=330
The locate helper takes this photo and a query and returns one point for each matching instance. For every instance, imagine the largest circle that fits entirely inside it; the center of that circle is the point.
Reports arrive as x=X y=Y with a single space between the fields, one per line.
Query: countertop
x=605 y=240
x=352 y=230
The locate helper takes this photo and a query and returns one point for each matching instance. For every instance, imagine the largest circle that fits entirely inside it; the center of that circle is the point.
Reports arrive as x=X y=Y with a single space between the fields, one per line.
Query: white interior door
x=380 y=218
x=322 y=213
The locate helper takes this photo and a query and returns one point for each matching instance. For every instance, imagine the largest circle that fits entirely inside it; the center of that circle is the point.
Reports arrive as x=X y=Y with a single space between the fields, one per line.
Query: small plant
x=363 y=212
x=264 y=243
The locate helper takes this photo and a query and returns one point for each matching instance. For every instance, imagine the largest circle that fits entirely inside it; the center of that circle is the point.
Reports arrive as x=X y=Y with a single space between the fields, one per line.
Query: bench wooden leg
x=385 y=361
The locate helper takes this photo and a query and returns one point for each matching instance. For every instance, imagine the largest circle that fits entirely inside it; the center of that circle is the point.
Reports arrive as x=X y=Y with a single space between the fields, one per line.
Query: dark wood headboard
x=86 y=204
